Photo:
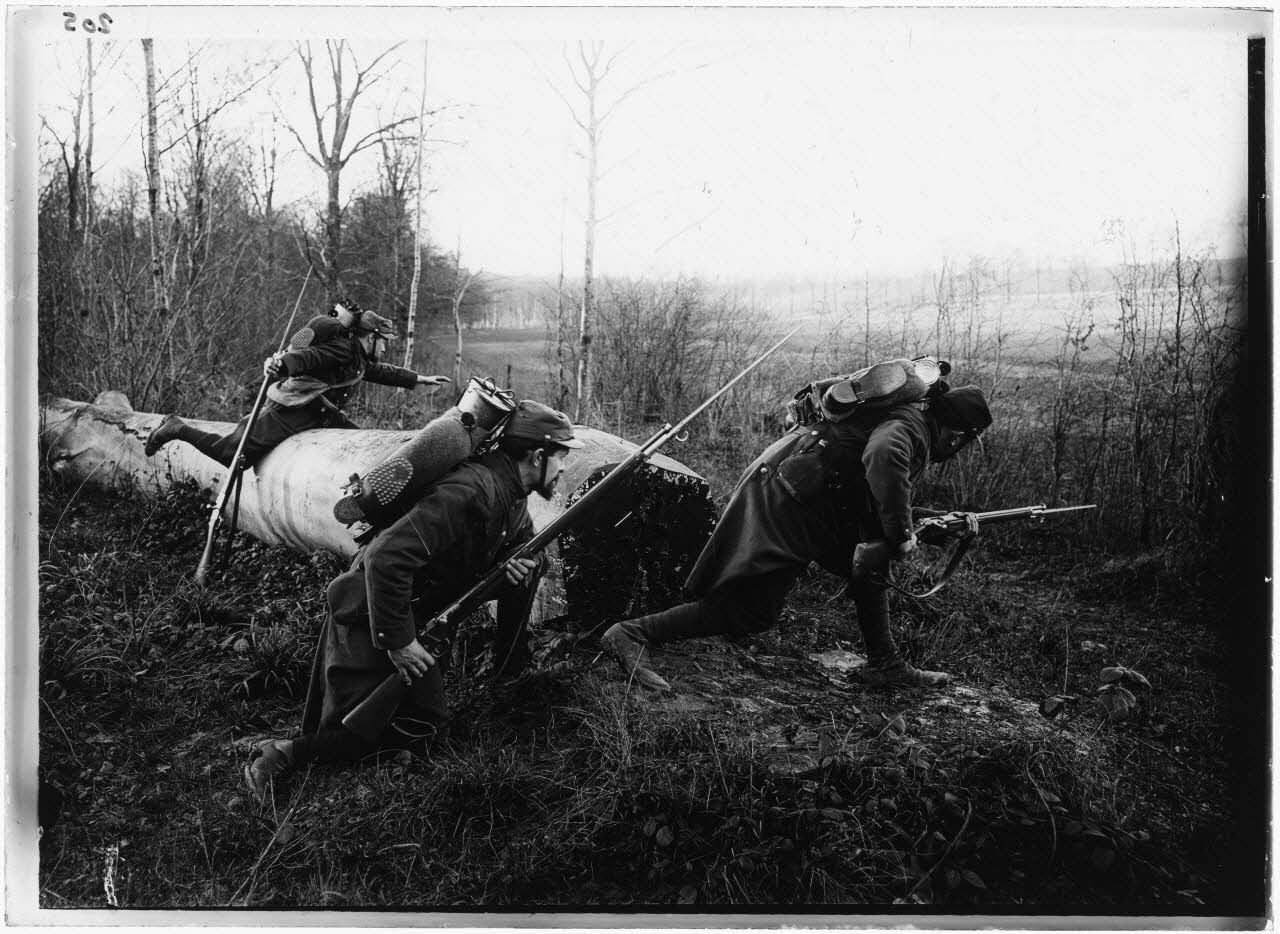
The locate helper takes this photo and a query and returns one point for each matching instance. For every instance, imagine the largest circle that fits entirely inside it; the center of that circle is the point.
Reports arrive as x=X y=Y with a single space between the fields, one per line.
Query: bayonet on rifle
x=871 y=560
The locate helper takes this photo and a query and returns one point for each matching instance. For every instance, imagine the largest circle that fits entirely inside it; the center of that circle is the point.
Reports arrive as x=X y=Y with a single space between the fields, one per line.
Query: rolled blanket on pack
x=878 y=386
x=387 y=491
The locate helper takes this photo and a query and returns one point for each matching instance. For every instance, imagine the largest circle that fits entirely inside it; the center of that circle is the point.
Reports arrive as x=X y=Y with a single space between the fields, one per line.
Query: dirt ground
x=768 y=777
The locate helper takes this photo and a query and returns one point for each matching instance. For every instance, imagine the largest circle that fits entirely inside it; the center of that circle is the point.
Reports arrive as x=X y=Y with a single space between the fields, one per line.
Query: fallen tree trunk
x=288 y=498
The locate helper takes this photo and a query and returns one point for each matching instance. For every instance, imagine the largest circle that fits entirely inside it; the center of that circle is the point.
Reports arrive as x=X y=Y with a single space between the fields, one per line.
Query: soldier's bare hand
x=433 y=382
x=273 y=367
x=905 y=548
x=932 y=531
x=519 y=569
x=412 y=661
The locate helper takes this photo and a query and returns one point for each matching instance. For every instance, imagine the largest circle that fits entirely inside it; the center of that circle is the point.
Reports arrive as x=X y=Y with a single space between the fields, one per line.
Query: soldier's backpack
x=878 y=386
x=392 y=486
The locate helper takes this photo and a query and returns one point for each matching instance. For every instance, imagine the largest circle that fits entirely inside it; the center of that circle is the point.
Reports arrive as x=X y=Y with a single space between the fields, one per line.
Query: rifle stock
x=369 y=718
x=384 y=699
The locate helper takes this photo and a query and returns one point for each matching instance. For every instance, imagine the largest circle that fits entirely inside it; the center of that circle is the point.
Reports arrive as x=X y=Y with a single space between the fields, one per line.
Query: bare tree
x=417 y=232
x=331 y=151
x=589 y=71
x=88 y=141
x=262 y=187
x=159 y=299
x=460 y=286
x=76 y=149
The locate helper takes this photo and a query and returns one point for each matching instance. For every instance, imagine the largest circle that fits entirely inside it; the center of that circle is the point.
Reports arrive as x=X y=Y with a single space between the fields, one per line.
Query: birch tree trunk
x=459 y=293
x=589 y=254
x=153 y=183
x=88 y=144
x=410 y=325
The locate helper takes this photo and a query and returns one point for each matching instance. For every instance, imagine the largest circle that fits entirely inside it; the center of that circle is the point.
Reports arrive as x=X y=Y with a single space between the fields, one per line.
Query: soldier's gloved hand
x=519 y=569
x=273 y=367
x=412 y=661
x=433 y=381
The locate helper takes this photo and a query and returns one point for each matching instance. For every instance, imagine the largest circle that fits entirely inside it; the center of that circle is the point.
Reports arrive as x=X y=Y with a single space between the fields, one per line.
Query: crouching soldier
x=454 y=534
x=324 y=362
x=846 y=477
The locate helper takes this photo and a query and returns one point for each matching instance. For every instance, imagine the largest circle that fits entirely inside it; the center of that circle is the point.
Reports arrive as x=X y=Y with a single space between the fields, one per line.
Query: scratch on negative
x=109 y=875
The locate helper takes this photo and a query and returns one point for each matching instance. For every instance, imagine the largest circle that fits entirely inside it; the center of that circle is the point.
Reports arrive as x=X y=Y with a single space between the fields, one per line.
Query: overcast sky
x=782 y=142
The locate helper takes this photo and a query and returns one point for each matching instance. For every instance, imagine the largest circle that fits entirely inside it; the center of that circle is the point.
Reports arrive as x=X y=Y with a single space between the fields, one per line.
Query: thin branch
x=307 y=152
x=372 y=137
x=315 y=109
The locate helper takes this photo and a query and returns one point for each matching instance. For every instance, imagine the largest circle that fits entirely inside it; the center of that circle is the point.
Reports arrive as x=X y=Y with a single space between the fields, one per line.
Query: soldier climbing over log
x=317 y=374
x=841 y=476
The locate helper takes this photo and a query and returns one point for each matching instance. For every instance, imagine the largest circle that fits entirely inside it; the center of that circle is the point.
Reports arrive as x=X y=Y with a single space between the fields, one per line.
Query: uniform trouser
x=753 y=604
x=423 y=716
x=273 y=424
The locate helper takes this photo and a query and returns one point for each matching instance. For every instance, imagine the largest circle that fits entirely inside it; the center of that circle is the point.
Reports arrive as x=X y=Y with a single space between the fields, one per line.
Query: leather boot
x=885 y=667
x=900 y=674
x=268 y=761
x=168 y=430
x=629 y=654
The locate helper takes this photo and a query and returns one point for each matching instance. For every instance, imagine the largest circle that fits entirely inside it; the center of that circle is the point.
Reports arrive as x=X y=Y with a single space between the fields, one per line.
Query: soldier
x=450 y=538
x=813 y=495
x=317 y=374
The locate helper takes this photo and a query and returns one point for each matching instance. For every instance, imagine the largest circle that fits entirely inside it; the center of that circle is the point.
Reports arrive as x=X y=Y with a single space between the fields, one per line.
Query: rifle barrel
x=1027 y=512
x=729 y=385
x=1020 y=512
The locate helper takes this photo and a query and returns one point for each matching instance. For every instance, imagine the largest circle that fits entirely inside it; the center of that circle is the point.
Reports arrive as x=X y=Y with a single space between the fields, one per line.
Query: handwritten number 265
x=103 y=25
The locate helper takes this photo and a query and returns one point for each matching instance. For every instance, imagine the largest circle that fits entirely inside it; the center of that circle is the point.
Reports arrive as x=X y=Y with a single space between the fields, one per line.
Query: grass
x=572 y=791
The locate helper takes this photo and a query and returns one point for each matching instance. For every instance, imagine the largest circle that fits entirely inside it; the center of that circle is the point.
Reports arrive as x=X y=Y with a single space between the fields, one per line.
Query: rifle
x=871 y=560
x=371 y=714
x=236 y=471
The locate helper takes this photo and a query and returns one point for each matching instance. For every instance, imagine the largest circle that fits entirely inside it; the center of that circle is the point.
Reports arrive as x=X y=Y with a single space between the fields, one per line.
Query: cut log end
x=633 y=554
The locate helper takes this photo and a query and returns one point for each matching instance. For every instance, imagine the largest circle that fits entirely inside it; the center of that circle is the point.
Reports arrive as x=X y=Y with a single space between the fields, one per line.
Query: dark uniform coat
x=451 y=537
x=325 y=358
x=324 y=365
x=814 y=494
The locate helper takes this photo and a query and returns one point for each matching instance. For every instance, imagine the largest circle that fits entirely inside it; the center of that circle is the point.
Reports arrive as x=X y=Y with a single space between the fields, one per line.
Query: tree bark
x=411 y=323
x=159 y=302
x=88 y=145
x=589 y=251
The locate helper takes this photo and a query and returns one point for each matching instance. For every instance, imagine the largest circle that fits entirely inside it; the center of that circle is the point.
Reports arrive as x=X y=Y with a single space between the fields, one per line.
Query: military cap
x=370 y=322
x=534 y=421
x=964 y=409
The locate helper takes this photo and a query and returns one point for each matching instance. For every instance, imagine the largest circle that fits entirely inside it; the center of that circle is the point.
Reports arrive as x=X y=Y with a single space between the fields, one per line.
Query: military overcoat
x=416 y=567
x=815 y=493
